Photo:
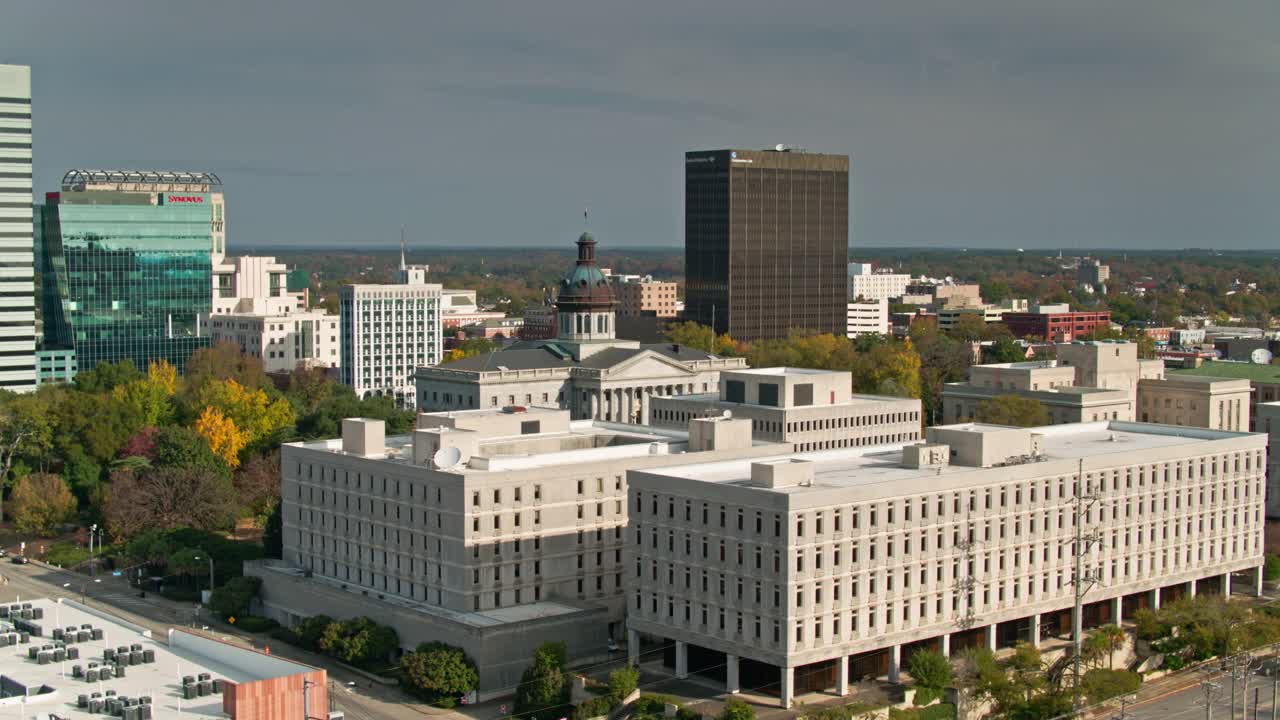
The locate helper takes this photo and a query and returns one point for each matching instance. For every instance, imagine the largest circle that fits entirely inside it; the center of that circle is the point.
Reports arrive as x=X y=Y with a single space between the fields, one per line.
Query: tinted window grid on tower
x=766 y=241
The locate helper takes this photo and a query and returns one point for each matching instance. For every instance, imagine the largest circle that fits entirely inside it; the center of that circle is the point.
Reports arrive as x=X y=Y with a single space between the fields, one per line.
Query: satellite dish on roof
x=726 y=414
x=1261 y=356
x=446 y=458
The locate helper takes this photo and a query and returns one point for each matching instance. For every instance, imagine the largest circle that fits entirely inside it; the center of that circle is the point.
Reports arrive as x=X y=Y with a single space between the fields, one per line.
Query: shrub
x=687 y=714
x=1271 y=568
x=1173 y=662
x=594 y=707
x=1101 y=684
x=438 y=673
x=926 y=695
x=736 y=709
x=544 y=692
x=359 y=641
x=930 y=669
x=233 y=598
x=942 y=711
x=66 y=554
x=256 y=624
x=622 y=682
x=653 y=704
x=306 y=633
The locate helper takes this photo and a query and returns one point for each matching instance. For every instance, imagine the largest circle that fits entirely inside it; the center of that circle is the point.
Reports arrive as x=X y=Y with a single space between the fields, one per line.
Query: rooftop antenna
x=402 y=265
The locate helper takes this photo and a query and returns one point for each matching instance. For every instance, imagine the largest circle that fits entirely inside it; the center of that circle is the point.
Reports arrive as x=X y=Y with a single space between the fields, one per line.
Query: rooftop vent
x=775 y=474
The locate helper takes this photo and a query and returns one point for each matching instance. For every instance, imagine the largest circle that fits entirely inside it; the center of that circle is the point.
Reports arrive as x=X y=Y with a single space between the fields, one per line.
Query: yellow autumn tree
x=253 y=412
x=224 y=438
x=150 y=397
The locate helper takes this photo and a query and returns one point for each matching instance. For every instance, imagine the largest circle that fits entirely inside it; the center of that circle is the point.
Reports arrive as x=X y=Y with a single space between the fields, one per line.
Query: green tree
x=273 y=534
x=104 y=377
x=1004 y=350
x=543 y=691
x=930 y=669
x=691 y=334
x=438 y=673
x=1099 y=685
x=737 y=709
x=1108 y=638
x=232 y=598
x=1012 y=410
x=969 y=327
x=622 y=682
x=1271 y=568
x=26 y=429
x=180 y=447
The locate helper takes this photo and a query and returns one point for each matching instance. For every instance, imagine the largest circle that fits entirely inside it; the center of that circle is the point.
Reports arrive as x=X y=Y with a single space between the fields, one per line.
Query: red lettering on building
x=184 y=199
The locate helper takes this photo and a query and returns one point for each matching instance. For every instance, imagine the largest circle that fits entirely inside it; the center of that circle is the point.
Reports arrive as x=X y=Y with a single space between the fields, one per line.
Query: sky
x=1142 y=124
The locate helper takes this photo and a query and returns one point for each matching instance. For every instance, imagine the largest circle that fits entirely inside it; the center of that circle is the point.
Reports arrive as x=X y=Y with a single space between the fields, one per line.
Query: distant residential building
x=942 y=295
x=642 y=295
x=766 y=241
x=1159 y=334
x=283 y=342
x=387 y=332
x=248 y=285
x=1195 y=401
x=948 y=317
x=1056 y=323
x=868 y=317
x=866 y=283
x=539 y=322
x=586 y=368
x=55 y=366
x=1186 y=337
x=461 y=309
x=17 y=276
x=501 y=327
x=1092 y=273
x=1266 y=419
x=127 y=264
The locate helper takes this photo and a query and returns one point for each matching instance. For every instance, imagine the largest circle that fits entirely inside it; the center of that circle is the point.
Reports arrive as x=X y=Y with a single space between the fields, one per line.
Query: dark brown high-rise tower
x=766 y=241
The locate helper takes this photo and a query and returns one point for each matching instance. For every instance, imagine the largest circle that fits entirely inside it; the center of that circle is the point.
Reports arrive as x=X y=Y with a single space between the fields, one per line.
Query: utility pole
x=1125 y=702
x=1084 y=498
x=1212 y=691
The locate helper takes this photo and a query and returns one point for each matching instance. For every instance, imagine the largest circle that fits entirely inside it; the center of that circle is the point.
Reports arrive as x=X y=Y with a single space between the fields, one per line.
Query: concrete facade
x=866 y=283
x=476 y=520
x=585 y=369
x=17 y=241
x=251 y=285
x=854 y=555
x=1214 y=403
x=643 y=296
x=385 y=333
x=811 y=409
x=868 y=317
x=283 y=342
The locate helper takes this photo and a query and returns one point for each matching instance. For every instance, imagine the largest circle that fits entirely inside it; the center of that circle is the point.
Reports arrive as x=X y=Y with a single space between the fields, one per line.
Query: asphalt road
x=1189 y=704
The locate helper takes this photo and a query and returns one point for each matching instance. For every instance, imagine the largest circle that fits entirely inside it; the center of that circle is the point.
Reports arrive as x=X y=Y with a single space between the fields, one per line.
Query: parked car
x=19 y=560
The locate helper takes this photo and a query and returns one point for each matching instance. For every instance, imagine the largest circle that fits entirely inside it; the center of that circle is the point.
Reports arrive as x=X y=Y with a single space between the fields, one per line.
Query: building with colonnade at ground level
x=806 y=571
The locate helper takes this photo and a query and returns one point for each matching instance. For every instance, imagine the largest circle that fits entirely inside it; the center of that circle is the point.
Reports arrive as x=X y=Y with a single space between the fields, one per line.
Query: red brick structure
x=1056 y=327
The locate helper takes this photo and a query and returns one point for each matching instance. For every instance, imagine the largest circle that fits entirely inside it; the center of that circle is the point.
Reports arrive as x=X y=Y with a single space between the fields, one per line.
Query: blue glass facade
x=126 y=275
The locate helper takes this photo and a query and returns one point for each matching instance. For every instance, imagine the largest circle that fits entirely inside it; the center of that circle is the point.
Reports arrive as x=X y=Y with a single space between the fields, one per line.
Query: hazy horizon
x=992 y=124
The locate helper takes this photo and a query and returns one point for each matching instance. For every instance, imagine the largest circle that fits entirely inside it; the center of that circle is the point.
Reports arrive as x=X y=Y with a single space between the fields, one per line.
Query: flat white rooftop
x=881 y=468
x=853 y=399
x=161 y=680
x=478 y=619
x=783 y=371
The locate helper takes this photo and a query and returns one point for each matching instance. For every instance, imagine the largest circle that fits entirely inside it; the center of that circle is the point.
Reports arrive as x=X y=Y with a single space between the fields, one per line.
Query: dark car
x=19 y=560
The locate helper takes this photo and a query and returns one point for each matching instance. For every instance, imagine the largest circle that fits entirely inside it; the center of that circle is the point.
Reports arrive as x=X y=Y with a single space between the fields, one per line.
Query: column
x=991 y=637
x=589 y=405
x=1117 y=610
x=1191 y=588
x=731 y=684
x=618 y=406
x=597 y=405
x=787 y=687
x=895 y=663
x=682 y=659
x=633 y=648
x=946 y=644
x=1257 y=590
x=631 y=405
x=1035 y=630
x=842 y=680
x=1226 y=586
x=1155 y=599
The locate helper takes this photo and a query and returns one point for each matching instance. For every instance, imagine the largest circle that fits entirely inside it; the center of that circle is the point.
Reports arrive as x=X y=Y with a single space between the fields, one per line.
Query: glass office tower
x=126 y=265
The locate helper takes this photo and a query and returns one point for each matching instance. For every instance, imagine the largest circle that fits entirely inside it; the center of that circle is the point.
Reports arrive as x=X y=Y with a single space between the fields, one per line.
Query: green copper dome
x=585 y=288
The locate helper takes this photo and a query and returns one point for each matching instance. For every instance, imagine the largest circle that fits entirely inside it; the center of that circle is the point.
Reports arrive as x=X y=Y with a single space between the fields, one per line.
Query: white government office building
x=492 y=529
x=805 y=571
x=17 y=278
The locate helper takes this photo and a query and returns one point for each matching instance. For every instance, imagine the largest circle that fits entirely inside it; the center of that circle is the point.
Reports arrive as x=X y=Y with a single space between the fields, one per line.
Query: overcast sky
x=1005 y=123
